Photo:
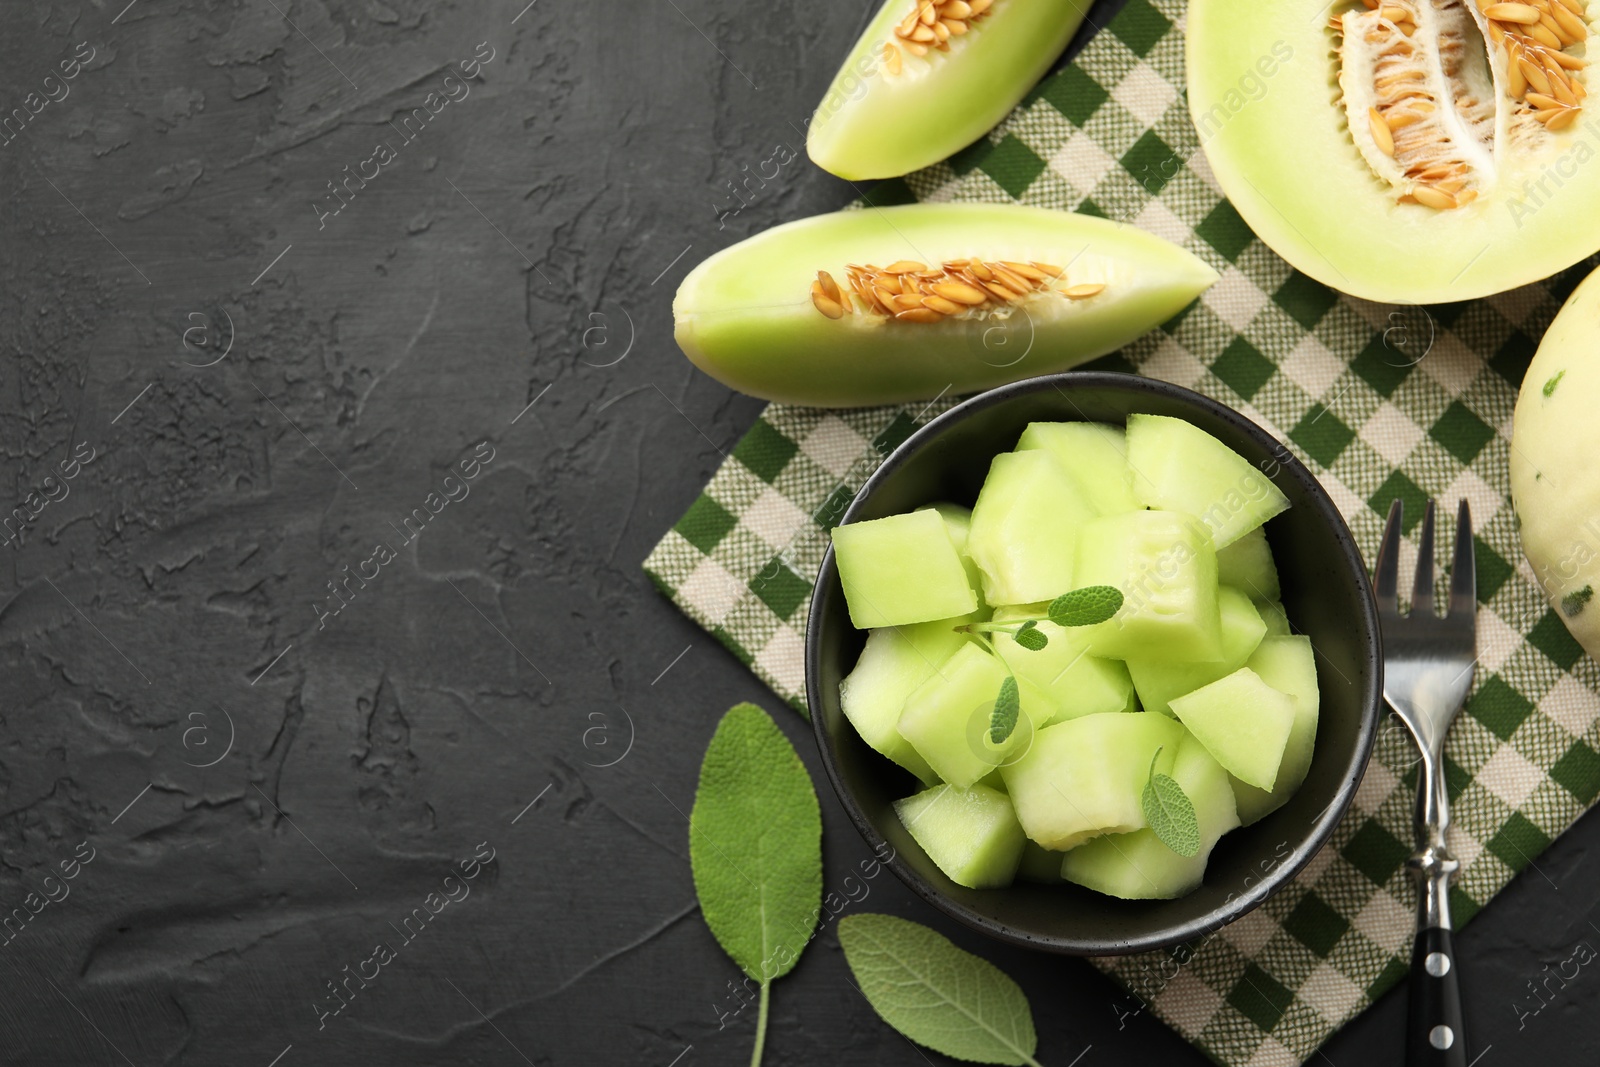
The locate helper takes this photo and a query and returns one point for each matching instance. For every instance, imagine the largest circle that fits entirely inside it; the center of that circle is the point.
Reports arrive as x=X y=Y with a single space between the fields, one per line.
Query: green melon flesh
x=1179 y=467
x=1243 y=722
x=1084 y=777
x=1262 y=93
x=901 y=569
x=893 y=664
x=1078 y=683
x=1555 y=479
x=745 y=315
x=1158 y=679
x=958 y=524
x=1137 y=865
x=876 y=123
x=1288 y=665
x=1167 y=572
x=1023 y=527
x=1094 y=454
x=1275 y=617
x=1247 y=564
x=972 y=834
x=946 y=719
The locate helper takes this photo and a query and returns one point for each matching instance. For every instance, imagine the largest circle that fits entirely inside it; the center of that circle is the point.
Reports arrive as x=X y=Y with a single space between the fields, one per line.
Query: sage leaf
x=1030 y=637
x=1007 y=706
x=755 y=849
x=937 y=994
x=1087 y=606
x=1170 y=813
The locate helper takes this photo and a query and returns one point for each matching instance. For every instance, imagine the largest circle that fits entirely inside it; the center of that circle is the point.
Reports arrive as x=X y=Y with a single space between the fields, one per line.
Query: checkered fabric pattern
x=1342 y=382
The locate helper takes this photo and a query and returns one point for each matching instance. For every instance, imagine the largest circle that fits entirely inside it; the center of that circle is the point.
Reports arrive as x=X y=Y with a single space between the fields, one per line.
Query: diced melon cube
x=1179 y=467
x=901 y=569
x=1137 y=865
x=1084 y=777
x=1094 y=454
x=1024 y=526
x=946 y=719
x=1275 y=617
x=1077 y=682
x=1247 y=564
x=895 y=661
x=1289 y=665
x=1158 y=679
x=1039 y=864
x=1167 y=572
x=971 y=834
x=958 y=524
x=1243 y=722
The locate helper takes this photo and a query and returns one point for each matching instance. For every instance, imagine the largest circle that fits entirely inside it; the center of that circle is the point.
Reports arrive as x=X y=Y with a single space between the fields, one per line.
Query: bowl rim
x=1321 y=828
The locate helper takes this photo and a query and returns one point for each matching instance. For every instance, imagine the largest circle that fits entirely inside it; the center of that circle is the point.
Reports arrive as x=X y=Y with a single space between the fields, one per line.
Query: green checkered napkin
x=1330 y=375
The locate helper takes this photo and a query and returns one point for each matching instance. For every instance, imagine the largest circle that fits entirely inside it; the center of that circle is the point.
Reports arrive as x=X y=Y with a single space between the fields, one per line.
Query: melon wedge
x=1084 y=777
x=908 y=96
x=1243 y=722
x=893 y=664
x=1177 y=466
x=972 y=835
x=1137 y=865
x=1288 y=111
x=1288 y=665
x=901 y=569
x=748 y=315
x=1024 y=527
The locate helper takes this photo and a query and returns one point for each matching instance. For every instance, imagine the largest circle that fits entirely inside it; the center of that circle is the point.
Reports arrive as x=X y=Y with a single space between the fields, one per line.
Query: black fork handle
x=1437 y=1038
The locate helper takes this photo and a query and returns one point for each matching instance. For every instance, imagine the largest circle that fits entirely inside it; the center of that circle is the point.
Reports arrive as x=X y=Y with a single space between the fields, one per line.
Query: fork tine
x=1463 y=572
x=1422 y=589
x=1386 y=575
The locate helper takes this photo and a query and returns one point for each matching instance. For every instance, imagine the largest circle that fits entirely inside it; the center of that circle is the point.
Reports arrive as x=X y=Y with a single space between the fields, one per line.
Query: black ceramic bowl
x=1325 y=592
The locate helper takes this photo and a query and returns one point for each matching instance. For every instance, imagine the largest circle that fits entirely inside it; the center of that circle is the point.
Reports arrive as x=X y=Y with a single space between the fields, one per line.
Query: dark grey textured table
x=374 y=364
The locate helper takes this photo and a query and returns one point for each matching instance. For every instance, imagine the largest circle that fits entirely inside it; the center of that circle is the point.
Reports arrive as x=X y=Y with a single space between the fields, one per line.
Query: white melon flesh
x=895 y=661
x=1179 y=467
x=1289 y=665
x=1084 y=777
x=1024 y=526
x=1137 y=865
x=1167 y=572
x=946 y=719
x=1243 y=722
x=1094 y=454
x=972 y=835
x=901 y=569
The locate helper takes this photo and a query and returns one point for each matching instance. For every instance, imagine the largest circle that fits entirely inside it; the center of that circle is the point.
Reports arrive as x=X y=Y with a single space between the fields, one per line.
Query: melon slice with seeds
x=923 y=300
x=1453 y=158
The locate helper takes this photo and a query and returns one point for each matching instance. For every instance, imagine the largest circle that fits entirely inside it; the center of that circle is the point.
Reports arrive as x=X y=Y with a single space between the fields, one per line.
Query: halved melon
x=929 y=77
x=1417 y=151
x=1555 y=481
x=904 y=303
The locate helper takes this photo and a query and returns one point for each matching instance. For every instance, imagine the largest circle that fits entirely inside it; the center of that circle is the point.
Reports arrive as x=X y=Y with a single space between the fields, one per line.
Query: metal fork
x=1428 y=665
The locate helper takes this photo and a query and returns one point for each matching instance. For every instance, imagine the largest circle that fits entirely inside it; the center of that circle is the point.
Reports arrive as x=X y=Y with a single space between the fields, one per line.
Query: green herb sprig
x=755 y=849
x=1170 y=812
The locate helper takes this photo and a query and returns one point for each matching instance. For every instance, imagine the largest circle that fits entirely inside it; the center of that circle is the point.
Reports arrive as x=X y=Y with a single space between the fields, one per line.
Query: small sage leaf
x=1030 y=637
x=1170 y=813
x=1007 y=706
x=1087 y=606
x=755 y=844
x=936 y=994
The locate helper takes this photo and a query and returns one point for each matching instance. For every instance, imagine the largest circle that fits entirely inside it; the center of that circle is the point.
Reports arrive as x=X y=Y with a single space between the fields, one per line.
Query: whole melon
x=1555 y=463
